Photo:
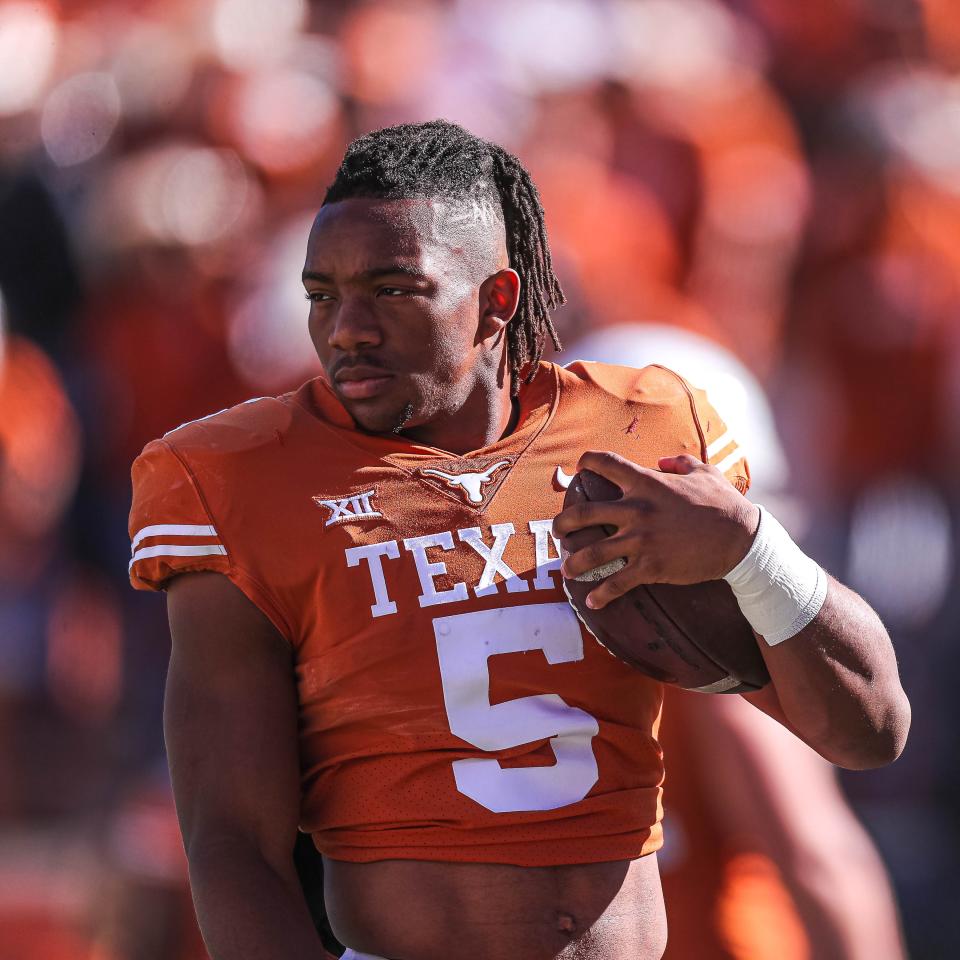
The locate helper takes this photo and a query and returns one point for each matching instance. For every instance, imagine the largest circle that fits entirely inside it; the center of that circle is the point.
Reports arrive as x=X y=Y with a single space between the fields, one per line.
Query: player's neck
x=484 y=419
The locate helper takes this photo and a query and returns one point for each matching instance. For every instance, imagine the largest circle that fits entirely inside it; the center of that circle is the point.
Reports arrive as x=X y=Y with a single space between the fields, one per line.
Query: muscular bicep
x=230 y=719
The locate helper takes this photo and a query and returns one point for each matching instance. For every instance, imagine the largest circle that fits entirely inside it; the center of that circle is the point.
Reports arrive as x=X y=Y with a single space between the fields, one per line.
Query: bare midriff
x=425 y=910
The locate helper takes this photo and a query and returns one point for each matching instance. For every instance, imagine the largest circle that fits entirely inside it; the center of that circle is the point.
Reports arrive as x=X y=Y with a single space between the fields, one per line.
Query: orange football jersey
x=451 y=706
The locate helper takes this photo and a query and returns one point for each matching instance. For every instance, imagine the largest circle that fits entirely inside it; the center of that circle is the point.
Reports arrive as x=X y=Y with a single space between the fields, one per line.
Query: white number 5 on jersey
x=464 y=643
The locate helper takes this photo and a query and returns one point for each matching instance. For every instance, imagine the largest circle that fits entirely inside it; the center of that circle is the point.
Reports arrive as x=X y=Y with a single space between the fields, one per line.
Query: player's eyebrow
x=315 y=275
x=374 y=273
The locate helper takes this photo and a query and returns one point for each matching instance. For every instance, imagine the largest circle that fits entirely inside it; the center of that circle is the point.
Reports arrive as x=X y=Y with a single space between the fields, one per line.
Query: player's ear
x=499 y=297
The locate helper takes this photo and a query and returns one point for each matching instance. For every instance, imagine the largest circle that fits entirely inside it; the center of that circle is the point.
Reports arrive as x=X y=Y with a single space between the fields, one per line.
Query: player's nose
x=355 y=326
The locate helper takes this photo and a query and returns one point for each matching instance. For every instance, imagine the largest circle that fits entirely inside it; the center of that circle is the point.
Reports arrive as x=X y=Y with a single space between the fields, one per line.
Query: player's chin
x=380 y=414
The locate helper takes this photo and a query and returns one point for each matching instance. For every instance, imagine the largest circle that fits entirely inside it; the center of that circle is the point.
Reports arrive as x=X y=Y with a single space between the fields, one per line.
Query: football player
x=370 y=639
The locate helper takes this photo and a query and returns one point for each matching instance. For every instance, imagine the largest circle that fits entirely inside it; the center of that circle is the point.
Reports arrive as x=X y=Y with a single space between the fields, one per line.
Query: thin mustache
x=348 y=363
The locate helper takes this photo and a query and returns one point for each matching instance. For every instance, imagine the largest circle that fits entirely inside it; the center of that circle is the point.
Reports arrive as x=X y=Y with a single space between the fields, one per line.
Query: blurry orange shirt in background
x=724 y=900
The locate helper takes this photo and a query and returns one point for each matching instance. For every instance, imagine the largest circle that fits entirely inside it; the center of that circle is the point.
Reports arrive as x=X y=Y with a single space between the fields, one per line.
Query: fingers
x=672 y=525
x=590 y=513
x=681 y=464
x=612 y=556
x=616 y=585
x=600 y=554
x=619 y=470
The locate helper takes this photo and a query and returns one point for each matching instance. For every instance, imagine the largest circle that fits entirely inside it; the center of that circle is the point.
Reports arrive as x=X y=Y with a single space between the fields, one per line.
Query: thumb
x=681 y=464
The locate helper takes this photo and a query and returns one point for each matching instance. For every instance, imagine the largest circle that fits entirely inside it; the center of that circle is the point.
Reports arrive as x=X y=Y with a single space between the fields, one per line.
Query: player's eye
x=392 y=291
x=317 y=296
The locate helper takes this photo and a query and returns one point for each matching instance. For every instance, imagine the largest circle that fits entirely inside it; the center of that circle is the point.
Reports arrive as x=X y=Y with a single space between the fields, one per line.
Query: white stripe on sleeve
x=178 y=550
x=173 y=530
x=728 y=461
x=719 y=444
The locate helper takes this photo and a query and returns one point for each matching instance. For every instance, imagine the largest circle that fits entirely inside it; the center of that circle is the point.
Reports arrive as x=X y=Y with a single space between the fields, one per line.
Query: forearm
x=838 y=686
x=247 y=908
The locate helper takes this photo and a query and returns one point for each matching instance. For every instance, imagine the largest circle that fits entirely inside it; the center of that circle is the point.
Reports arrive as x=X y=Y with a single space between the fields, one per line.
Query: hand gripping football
x=692 y=636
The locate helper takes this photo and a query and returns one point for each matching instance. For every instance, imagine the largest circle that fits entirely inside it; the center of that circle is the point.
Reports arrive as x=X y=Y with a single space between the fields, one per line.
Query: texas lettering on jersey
x=451 y=706
x=545 y=560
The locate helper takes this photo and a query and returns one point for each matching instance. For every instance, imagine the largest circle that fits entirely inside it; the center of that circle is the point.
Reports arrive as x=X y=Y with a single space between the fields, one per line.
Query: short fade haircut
x=440 y=160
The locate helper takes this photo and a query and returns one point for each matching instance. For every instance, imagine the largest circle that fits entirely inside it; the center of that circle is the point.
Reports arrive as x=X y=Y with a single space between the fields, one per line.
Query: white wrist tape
x=779 y=588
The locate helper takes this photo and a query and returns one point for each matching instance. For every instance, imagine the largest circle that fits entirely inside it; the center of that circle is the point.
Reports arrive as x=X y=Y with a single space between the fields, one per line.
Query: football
x=692 y=636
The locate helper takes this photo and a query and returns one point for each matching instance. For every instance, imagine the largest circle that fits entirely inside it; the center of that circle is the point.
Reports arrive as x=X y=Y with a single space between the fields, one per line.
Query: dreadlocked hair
x=441 y=160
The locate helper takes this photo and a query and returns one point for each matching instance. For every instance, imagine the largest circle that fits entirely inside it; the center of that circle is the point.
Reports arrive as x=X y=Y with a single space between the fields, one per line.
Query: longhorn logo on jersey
x=470 y=484
x=355 y=506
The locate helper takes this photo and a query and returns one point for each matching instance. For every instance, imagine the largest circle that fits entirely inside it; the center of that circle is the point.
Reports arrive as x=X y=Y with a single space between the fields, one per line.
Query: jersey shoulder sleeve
x=720 y=446
x=684 y=409
x=188 y=511
x=171 y=529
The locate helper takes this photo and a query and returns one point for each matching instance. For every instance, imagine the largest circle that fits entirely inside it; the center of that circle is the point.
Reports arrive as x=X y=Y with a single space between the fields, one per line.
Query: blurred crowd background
x=781 y=178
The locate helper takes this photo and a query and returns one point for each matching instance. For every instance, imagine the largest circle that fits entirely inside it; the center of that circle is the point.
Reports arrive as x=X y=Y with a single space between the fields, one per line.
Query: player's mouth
x=362 y=383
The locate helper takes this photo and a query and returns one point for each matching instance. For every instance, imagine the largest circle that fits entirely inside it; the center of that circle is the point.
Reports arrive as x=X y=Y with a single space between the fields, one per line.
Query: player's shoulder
x=235 y=437
x=676 y=415
x=243 y=450
x=246 y=426
x=653 y=384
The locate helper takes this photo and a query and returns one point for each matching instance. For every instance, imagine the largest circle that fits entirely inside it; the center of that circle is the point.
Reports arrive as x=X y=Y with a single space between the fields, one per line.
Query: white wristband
x=779 y=588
